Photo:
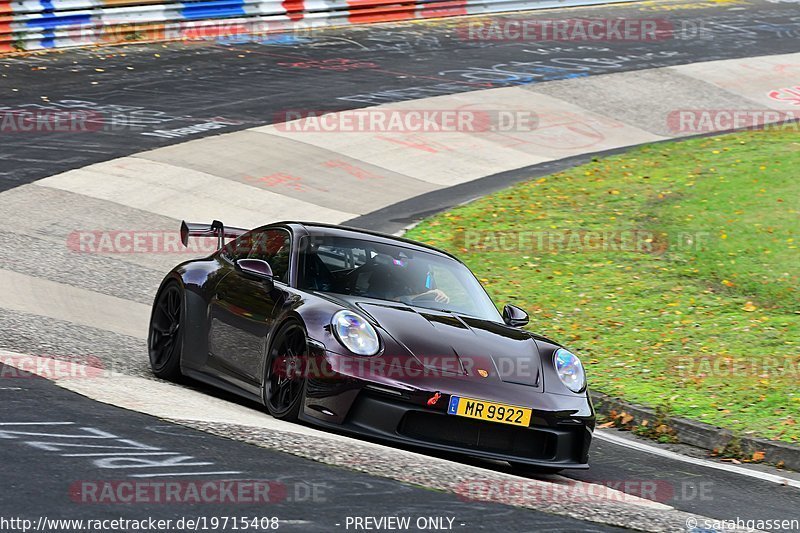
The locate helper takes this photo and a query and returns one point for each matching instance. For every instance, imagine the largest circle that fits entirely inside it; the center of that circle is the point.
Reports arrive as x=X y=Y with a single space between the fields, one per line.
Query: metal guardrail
x=43 y=24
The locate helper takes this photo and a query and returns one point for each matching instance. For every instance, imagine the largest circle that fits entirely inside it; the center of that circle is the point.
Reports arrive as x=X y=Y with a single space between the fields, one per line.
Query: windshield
x=394 y=273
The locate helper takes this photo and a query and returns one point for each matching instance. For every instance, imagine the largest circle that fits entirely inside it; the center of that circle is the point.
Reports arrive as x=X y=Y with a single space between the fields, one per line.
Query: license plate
x=494 y=412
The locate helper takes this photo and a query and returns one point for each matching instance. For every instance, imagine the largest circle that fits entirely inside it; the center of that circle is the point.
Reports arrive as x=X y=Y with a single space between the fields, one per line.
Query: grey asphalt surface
x=79 y=471
x=243 y=85
x=137 y=90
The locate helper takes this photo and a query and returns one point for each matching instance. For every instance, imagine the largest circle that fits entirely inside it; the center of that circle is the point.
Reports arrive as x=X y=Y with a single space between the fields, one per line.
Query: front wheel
x=165 y=337
x=284 y=380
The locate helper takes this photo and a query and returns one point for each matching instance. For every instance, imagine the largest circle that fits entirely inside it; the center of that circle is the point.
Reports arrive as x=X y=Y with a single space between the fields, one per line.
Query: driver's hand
x=439 y=296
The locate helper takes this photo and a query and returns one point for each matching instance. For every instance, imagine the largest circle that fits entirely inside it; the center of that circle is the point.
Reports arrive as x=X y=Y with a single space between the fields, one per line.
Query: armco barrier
x=42 y=24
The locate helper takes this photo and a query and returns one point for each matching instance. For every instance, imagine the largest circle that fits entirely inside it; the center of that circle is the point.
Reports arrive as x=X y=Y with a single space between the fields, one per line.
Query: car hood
x=459 y=345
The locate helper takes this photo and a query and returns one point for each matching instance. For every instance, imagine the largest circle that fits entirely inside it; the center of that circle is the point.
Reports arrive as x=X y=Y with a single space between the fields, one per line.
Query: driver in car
x=411 y=281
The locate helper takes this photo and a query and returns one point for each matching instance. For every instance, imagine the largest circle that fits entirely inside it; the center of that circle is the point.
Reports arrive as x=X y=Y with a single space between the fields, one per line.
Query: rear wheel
x=165 y=338
x=284 y=381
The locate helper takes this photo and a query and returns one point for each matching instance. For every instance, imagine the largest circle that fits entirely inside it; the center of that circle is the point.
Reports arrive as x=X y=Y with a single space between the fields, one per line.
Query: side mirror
x=255 y=268
x=514 y=316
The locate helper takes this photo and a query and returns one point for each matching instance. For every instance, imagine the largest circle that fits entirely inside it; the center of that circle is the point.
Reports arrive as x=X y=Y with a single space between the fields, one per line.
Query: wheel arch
x=195 y=316
x=285 y=318
x=289 y=317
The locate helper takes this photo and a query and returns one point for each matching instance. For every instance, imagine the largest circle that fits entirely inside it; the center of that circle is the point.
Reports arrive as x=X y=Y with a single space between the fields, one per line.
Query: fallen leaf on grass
x=749 y=307
x=625 y=418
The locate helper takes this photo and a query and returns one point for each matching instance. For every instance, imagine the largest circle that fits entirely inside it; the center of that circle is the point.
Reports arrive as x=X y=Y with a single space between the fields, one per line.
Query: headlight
x=355 y=333
x=570 y=370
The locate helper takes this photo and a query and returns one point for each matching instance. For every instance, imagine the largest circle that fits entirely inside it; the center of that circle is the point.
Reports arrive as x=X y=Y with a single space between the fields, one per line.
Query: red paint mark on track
x=355 y=171
x=283 y=180
x=787 y=94
x=416 y=142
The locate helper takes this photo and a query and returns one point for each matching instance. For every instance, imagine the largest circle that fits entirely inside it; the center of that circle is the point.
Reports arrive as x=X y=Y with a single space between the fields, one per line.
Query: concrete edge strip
x=111 y=180
x=409 y=212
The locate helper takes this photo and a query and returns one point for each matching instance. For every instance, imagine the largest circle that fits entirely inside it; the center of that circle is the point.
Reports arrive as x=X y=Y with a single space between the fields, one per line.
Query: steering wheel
x=424 y=297
x=351 y=280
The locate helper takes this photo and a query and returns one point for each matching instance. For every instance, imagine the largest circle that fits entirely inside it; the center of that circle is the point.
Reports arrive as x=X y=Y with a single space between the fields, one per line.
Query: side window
x=339 y=258
x=274 y=247
x=238 y=248
x=334 y=258
x=324 y=267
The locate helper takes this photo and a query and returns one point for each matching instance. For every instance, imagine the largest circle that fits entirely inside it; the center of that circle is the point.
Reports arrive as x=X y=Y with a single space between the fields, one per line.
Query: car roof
x=333 y=230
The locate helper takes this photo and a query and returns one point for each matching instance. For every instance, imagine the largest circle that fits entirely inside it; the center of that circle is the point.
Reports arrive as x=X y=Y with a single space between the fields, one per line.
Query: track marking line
x=764 y=476
x=176 y=474
x=35 y=423
x=117 y=454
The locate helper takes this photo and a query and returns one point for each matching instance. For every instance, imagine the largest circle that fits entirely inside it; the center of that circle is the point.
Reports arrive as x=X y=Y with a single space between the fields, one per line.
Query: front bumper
x=547 y=442
x=396 y=409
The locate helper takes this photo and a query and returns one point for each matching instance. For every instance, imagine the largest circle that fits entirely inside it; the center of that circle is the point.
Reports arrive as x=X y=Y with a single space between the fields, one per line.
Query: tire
x=283 y=388
x=165 y=336
x=522 y=469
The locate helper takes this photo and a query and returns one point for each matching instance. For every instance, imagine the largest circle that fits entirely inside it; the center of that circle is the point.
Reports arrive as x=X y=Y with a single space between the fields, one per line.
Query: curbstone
x=702 y=435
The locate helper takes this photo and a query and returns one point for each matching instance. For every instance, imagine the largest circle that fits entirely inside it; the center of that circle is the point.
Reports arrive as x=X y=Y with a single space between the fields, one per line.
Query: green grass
x=705 y=317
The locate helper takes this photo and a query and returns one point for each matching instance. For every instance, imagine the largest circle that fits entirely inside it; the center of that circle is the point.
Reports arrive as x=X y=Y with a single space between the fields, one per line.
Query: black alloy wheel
x=165 y=338
x=284 y=381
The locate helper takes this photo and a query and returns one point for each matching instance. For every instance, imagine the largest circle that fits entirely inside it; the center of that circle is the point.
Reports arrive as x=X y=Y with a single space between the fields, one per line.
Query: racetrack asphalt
x=190 y=84
x=147 y=88
x=76 y=478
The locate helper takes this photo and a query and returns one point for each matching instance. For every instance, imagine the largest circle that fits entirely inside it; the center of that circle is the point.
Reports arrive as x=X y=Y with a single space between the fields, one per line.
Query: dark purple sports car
x=373 y=335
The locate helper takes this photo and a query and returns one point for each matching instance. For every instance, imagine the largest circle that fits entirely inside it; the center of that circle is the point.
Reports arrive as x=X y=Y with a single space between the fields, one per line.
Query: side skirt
x=222 y=384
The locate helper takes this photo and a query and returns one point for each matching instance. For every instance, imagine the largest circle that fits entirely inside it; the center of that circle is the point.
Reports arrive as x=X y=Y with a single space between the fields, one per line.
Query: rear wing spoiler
x=215 y=229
